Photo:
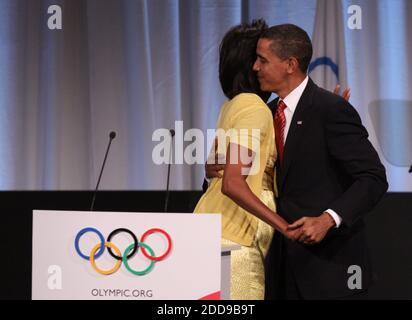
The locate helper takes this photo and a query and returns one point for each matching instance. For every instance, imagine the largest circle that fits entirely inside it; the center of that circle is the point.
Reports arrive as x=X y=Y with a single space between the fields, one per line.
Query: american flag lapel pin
x=300 y=123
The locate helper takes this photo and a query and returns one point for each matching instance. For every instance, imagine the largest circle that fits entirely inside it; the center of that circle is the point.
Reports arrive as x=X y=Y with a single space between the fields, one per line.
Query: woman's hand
x=345 y=94
x=293 y=235
x=238 y=162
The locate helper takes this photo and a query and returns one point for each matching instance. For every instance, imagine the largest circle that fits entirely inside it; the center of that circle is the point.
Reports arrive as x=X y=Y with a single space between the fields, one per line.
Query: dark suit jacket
x=328 y=163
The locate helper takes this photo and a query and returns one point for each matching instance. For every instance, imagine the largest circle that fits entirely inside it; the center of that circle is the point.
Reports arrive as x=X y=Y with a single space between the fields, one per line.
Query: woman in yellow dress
x=245 y=196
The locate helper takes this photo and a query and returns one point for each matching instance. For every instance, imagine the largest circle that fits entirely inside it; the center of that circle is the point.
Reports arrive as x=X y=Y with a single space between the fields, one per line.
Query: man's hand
x=345 y=93
x=213 y=166
x=313 y=229
x=212 y=170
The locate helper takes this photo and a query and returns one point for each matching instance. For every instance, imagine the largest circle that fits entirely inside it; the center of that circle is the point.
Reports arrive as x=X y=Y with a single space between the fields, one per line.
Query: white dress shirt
x=291 y=101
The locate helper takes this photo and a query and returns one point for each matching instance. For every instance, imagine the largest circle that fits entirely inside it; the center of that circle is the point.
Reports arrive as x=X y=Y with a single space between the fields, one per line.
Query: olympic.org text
x=194 y=153
x=120 y=293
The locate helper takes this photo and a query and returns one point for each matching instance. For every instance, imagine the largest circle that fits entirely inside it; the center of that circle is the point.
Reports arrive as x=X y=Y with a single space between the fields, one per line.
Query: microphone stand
x=112 y=135
x=172 y=133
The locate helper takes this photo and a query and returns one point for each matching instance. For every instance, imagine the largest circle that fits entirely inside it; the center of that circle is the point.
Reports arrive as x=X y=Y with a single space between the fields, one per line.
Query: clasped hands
x=310 y=230
x=307 y=230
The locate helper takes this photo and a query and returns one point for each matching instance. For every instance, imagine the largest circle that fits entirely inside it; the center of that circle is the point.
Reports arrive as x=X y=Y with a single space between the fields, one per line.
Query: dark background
x=388 y=230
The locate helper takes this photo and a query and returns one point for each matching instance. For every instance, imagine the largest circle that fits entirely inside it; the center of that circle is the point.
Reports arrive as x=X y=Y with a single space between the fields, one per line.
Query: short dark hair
x=237 y=56
x=288 y=40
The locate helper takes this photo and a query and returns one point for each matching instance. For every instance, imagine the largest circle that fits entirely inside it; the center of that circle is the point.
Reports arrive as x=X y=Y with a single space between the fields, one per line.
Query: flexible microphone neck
x=172 y=133
x=112 y=135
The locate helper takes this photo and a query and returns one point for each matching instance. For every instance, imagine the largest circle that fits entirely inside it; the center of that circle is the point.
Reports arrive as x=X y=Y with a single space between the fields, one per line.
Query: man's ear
x=293 y=65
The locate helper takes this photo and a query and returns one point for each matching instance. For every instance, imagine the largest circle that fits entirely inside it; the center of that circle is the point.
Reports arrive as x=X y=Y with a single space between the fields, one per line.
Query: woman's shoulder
x=244 y=98
x=246 y=101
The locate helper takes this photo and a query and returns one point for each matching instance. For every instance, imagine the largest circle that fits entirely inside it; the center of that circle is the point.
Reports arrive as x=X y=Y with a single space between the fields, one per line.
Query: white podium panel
x=226 y=272
x=93 y=255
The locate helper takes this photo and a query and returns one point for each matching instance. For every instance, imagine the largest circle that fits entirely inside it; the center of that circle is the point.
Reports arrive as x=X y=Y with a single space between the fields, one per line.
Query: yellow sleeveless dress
x=246 y=111
x=247 y=263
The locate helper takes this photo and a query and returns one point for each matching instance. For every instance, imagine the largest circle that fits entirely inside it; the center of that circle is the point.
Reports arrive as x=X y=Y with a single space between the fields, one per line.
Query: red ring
x=169 y=240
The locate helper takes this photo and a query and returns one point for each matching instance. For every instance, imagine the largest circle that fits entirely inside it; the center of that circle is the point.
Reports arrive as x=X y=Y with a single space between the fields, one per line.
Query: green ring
x=143 y=272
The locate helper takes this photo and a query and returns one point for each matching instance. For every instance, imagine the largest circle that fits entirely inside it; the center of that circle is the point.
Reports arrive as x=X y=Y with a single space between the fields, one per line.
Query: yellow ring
x=93 y=263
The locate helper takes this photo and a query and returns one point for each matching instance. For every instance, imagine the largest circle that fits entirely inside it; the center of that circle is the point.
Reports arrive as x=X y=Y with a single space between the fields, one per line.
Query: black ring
x=113 y=233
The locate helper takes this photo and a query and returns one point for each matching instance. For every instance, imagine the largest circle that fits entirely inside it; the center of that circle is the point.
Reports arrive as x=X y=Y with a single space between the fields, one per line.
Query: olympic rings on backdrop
x=93 y=263
x=113 y=233
x=82 y=232
x=169 y=244
x=143 y=272
x=130 y=251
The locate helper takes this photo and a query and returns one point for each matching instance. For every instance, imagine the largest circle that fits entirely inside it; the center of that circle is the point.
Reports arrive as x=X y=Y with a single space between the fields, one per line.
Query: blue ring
x=82 y=232
x=324 y=61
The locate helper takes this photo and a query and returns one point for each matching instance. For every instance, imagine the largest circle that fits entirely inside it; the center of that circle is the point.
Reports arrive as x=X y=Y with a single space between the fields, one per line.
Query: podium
x=93 y=255
x=226 y=252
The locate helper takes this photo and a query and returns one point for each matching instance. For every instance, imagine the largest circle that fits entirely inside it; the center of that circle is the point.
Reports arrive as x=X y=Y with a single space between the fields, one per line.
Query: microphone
x=172 y=133
x=410 y=169
x=112 y=135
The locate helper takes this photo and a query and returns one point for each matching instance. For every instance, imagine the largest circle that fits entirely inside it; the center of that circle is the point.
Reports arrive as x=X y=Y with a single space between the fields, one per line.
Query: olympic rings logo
x=129 y=252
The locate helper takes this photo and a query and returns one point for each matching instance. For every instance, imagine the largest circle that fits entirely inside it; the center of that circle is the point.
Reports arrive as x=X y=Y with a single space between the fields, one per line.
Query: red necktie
x=280 y=124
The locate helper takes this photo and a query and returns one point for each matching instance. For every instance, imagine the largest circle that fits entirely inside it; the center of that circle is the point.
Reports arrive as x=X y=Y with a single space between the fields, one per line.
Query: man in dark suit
x=328 y=176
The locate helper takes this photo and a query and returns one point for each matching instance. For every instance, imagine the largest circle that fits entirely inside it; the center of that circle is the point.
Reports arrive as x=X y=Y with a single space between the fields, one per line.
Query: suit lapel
x=296 y=127
x=273 y=105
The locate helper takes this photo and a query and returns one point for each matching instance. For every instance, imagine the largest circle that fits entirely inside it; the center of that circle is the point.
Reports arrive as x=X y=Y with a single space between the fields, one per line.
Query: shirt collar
x=292 y=99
